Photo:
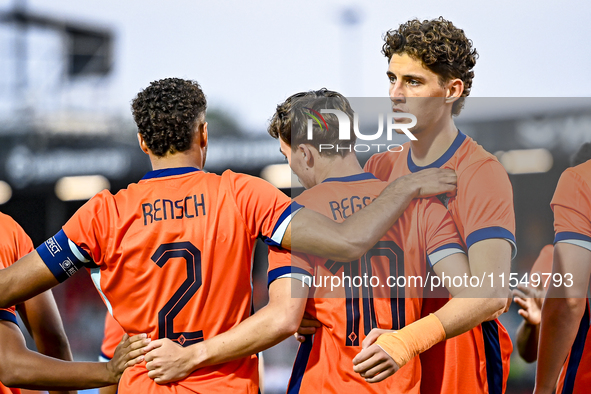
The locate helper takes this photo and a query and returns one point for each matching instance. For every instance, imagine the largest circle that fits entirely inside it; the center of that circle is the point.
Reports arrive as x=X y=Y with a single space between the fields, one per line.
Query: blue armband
x=63 y=257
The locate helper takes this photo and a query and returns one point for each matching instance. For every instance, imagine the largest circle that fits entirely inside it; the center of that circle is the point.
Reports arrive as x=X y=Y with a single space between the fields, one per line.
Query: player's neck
x=432 y=143
x=175 y=160
x=338 y=167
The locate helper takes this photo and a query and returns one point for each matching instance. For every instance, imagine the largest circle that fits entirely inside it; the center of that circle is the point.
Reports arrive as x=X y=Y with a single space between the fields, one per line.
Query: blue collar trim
x=169 y=172
x=351 y=178
x=442 y=160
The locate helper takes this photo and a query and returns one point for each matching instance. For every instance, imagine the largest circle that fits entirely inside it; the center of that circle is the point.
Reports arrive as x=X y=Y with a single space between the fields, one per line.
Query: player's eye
x=413 y=82
x=392 y=78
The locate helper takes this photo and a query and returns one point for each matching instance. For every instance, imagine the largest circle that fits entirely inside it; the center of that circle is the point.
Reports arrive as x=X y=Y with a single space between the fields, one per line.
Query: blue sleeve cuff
x=281 y=225
x=7 y=316
x=578 y=239
x=63 y=257
x=490 y=233
x=289 y=272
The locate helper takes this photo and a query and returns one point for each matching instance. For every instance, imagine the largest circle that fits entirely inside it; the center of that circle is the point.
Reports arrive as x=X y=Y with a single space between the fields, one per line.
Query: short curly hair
x=442 y=47
x=167 y=112
x=290 y=121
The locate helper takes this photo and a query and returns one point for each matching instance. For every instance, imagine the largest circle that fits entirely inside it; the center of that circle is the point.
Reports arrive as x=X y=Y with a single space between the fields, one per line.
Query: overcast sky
x=250 y=57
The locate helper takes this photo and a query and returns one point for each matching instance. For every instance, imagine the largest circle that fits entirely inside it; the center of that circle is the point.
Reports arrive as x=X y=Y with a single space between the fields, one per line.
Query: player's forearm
x=37 y=372
x=527 y=341
x=266 y=328
x=366 y=227
x=55 y=344
x=41 y=317
x=318 y=235
x=467 y=310
x=473 y=305
x=560 y=320
x=25 y=279
x=51 y=340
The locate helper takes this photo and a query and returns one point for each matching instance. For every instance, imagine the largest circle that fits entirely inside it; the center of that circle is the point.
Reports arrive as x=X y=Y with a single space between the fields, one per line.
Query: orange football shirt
x=111 y=338
x=572 y=224
x=476 y=361
x=14 y=244
x=423 y=235
x=171 y=257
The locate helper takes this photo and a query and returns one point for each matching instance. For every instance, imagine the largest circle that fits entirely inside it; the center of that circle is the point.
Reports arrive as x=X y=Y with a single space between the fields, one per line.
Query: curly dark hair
x=442 y=47
x=290 y=121
x=167 y=112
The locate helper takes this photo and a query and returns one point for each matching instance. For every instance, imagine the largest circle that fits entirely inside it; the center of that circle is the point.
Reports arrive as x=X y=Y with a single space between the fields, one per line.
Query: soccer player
x=430 y=72
x=23 y=368
x=530 y=299
x=565 y=314
x=424 y=234
x=337 y=188
x=171 y=255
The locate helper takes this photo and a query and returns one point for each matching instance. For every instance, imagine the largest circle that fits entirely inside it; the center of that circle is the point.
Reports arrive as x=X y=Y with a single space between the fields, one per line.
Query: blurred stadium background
x=67 y=74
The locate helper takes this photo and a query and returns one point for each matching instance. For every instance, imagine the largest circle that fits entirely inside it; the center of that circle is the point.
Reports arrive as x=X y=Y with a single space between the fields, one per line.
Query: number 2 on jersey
x=185 y=292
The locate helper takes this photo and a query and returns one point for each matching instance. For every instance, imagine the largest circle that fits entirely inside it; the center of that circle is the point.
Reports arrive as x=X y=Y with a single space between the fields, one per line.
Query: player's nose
x=396 y=94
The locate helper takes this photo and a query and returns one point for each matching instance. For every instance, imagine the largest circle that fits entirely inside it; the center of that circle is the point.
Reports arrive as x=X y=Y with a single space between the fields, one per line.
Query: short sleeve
x=284 y=264
x=24 y=244
x=90 y=227
x=14 y=242
x=266 y=211
x=82 y=240
x=572 y=210
x=485 y=203
x=441 y=235
x=375 y=166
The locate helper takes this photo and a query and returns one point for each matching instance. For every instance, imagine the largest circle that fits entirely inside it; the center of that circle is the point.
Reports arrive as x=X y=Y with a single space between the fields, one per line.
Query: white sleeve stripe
x=95 y=275
x=513 y=248
x=578 y=242
x=436 y=257
x=74 y=249
x=280 y=232
x=306 y=279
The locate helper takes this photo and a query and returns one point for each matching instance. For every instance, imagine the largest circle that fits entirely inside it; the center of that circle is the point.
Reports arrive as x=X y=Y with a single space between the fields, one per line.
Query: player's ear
x=203 y=135
x=454 y=90
x=304 y=149
x=143 y=145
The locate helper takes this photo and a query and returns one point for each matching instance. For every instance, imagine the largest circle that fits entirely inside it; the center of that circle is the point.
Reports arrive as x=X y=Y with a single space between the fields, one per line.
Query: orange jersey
x=482 y=209
x=14 y=244
x=572 y=224
x=112 y=337
x=424 y=234
x=171 y=257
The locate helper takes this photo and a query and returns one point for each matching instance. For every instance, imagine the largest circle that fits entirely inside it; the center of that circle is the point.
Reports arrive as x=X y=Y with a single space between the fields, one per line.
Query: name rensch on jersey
x=163 y=209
